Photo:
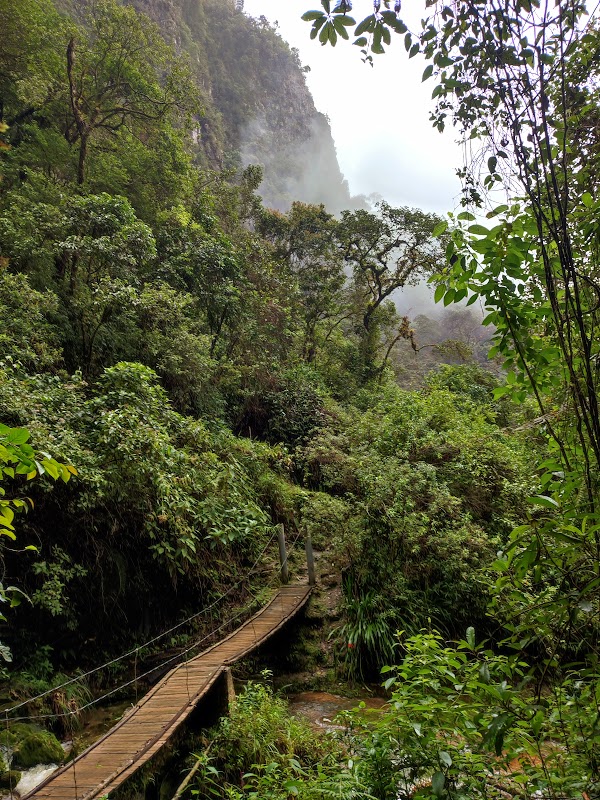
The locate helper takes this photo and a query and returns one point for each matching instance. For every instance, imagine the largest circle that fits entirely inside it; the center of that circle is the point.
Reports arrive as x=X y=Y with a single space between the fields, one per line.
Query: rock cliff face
x=257 y=107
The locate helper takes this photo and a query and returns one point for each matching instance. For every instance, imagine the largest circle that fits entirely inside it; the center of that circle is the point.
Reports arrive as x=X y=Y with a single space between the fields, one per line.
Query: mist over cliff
x=257 y=108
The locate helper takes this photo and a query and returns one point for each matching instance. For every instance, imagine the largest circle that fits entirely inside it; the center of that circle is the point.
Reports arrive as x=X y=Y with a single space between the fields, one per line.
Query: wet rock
x=9 y=737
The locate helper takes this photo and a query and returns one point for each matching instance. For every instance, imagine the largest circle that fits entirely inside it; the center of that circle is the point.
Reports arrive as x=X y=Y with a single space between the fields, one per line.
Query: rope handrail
x=194 y=646
x=133 y=651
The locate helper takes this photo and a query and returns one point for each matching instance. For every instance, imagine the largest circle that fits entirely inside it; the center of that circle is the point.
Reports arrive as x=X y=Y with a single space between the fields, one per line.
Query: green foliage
x=191 y=324
x=529 y=329
x=216 y=505
x=324 y=516
x=40 y=679
x=19 y=462
x=26 y=335
x=29 y=62
x=259 y=730
x=386 y=250
x=366 y=638
x=325 y=24
x=207 y=266
x=546 y=583
x=122 y=74
x=433 y=488
x=506 y=80
x=460 y=725
x=329 y=24
x=469 y=379
x=94 y=251
x=168 y=335
x=305 y=240
x=160 y=499
x=295 y=409
x=58 y=572
x=260 y=751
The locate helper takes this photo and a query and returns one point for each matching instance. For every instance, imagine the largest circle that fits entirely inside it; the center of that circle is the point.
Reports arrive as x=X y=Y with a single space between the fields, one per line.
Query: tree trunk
x=83 y=128
x=83 y=145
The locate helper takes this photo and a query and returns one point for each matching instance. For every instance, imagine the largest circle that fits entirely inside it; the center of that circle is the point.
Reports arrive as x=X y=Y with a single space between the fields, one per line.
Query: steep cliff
x=257 y=107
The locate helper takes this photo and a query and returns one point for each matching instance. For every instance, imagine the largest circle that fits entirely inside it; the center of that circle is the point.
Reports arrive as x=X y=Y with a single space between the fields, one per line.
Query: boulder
x=38 y=747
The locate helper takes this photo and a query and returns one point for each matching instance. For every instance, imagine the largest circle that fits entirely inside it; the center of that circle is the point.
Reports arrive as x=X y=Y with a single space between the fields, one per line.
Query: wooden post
x=285 y=575
x=230 y=686
x=310 y=560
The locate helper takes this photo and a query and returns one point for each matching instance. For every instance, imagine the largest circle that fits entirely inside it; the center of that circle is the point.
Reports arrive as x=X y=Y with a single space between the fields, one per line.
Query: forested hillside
x=198 y=342
x=205 y=363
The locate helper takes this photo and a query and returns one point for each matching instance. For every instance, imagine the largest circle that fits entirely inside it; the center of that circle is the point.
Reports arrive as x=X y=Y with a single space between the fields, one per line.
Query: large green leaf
x=438 y=781
x=312 y=15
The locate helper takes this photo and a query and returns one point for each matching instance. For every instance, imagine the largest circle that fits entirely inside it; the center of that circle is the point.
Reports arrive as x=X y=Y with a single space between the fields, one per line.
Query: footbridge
x=149 y=725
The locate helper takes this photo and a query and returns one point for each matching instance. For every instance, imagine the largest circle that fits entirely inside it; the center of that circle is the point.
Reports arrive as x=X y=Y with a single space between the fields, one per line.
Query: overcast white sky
x=379 y=116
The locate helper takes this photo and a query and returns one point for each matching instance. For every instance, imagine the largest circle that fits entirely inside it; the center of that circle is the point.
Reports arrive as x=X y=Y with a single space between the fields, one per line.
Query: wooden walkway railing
x=148 y=726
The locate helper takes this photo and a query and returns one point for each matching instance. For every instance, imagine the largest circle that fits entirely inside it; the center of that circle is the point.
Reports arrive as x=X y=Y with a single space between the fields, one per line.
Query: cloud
x=303 y=170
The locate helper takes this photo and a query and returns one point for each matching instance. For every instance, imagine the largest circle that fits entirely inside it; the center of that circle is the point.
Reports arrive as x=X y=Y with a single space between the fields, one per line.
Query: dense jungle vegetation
x=192 y=354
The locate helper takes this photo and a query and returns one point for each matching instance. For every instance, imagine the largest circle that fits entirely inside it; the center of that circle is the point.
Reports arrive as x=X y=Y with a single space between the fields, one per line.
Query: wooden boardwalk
x=148 y=726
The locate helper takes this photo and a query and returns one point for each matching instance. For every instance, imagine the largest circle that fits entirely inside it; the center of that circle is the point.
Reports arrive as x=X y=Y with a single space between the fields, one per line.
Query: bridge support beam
x=230 y=686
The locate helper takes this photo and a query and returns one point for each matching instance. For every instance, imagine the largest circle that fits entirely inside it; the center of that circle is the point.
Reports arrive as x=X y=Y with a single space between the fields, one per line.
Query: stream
x=321 y=708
